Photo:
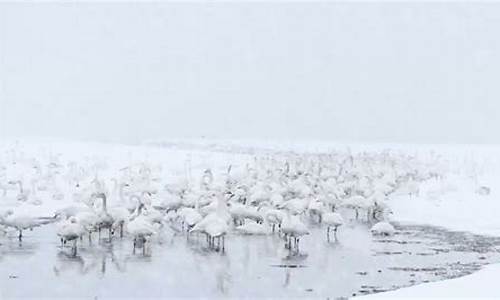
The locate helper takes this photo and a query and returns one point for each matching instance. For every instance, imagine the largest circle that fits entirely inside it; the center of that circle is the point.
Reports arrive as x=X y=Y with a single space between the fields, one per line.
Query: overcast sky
x=374 y=72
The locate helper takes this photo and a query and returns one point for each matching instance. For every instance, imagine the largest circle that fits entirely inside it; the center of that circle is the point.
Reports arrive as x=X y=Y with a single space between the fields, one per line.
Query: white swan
x=273 y=217
x=383 y=228
x=215 y=225
x=293 y=228
x=240 y=212
x=70 y=230
x=140 y=228
x=22 y=192
x=332 y=220
x=253 y=228
x=104 y=219
x=23 y=218
x=189 y=216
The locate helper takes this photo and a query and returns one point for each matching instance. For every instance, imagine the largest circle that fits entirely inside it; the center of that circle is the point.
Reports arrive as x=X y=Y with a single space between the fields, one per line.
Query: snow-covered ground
x=457 y=201
x=456 y=205
x=482 y=284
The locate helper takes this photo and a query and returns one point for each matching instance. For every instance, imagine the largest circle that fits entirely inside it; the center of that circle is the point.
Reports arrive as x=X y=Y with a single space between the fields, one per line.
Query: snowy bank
x=482 y=284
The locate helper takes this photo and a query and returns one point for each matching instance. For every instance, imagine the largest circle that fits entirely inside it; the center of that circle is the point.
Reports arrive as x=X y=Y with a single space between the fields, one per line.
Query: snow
x=457 y=203
x=482 y=284
x=467 y=198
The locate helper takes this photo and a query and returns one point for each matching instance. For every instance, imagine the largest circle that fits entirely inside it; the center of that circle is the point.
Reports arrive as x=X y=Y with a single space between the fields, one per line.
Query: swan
x=104 y=219
x=23 y=218
x=207 y=179
x=89 y=220
x=34 y=199
x=383 y=228
x=22 y=193
x=120 y=215
x=168 y=201
x=259 y=193
x=155 y=216
x=253 y=228
x=277 y=199
x=217 y=229
x=358 y=202
x=332 y=219
x=215 y=225
x=190 y=216
x=296 y=206
x=315 y=209
x=140 y=228
x=70 y=230
x=240 y=212
x=293 y=227
x=272 y=216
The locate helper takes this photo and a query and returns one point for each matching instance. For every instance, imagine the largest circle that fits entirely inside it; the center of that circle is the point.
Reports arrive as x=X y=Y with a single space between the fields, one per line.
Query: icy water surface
x=252 y=266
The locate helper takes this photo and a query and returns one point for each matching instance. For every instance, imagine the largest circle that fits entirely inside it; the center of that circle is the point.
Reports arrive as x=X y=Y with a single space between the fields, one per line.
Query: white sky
x=374 y=72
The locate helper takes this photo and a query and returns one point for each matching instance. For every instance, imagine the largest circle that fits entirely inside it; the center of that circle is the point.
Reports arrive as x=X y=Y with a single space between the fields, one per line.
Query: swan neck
x=120 y=193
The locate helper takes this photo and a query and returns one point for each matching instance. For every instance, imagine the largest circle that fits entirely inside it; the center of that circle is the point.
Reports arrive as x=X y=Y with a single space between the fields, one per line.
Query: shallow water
x=252 y=266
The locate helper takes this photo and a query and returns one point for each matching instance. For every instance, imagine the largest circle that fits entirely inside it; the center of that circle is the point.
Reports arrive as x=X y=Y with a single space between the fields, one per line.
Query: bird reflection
x=223 y=275
x=88 y=260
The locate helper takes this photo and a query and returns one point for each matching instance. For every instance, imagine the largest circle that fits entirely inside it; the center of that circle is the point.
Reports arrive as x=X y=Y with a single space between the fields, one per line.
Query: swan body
x=333 y=219
x=23 y=218
x=253 y=228
x=383 y=228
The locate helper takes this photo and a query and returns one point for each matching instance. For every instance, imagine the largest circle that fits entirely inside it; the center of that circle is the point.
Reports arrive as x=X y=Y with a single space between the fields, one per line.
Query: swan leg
x=328 y=233
x=20 y=236
x=133 y=251
x=223 y=240
x=121 y=230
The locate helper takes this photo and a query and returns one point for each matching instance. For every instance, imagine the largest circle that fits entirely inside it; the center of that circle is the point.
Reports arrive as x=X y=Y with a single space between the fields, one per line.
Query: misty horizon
x=372 y=72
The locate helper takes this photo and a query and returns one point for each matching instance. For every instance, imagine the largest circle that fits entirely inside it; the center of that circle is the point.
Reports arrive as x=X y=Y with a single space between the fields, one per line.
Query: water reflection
x=355 y=263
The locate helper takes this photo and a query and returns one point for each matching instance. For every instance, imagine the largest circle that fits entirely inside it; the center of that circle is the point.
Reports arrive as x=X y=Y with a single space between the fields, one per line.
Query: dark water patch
x=289 y=266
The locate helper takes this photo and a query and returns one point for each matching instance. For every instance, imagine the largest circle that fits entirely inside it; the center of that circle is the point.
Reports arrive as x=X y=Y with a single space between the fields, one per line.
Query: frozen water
x=255 y=266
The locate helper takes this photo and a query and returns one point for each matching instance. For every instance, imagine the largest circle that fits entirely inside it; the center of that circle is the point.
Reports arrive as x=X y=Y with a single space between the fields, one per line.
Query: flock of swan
x=282 y=195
